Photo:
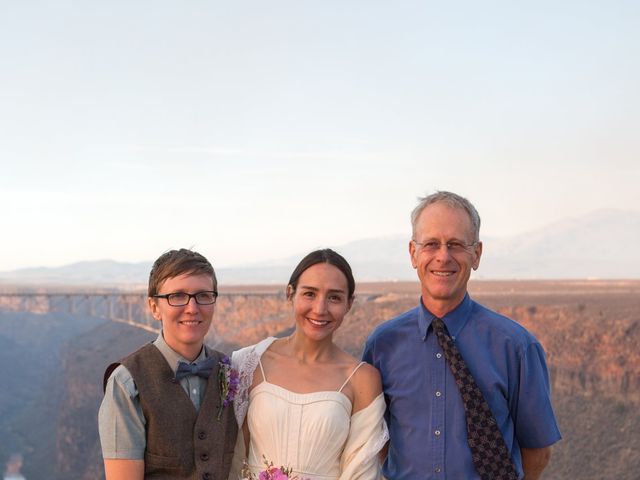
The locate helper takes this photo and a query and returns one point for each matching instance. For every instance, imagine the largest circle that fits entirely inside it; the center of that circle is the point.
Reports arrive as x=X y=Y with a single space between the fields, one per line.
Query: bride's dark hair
x=325 y=255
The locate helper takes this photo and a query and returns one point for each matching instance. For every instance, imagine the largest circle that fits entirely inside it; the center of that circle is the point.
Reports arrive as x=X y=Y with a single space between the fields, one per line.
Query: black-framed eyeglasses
x=180 y=299
x=453 y=246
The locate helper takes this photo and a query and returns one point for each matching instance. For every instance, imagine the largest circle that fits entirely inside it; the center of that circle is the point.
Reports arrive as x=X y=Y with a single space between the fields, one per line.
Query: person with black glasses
x=164 y=412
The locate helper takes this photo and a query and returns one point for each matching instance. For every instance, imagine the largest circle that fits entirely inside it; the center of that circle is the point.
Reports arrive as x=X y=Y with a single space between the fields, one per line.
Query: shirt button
x=437 y=433
x=206 y=476
x=202 y=435
x=438 y=393
x=437 y=470
x=204 y=457
x=194 y=391
x=438 y=355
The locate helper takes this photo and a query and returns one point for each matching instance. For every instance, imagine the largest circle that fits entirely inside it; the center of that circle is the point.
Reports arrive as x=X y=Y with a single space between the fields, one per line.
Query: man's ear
x=412 y=254
x=478 y=253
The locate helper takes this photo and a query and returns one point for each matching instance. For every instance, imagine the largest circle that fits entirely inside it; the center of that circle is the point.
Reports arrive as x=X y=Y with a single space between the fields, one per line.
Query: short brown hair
x=179 y=262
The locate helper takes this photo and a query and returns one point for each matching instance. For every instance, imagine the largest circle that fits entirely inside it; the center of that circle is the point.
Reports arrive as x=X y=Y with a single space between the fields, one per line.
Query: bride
x=303 y=403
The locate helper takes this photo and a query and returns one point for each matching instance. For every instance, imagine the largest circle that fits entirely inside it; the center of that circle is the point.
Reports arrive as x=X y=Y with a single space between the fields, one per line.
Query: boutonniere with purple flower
x=229 y=382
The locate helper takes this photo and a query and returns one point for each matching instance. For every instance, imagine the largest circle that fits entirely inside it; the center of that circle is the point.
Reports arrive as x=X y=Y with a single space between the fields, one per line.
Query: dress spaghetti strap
x=264 y=377
x=349 y=377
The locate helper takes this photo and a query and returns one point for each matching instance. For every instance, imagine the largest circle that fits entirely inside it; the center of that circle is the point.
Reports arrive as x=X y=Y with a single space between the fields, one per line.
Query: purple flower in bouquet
x=229 y=383
x=270 y=472
x=273 y=473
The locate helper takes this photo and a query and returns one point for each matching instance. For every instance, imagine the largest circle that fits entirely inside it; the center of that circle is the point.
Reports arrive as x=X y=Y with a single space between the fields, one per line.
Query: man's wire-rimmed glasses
x=453 y=246
x=180 y=299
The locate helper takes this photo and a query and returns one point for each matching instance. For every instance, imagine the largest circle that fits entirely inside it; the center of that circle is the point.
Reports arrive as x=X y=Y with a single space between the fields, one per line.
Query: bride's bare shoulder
x=367 y=378
x=365 y=383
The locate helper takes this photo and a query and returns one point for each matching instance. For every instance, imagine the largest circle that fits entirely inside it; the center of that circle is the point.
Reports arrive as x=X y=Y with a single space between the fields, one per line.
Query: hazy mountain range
x=603 y=244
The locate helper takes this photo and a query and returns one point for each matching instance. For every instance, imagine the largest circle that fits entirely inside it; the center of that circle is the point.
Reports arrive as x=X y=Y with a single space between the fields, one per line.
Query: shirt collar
x=172 y=357
x=455 y=320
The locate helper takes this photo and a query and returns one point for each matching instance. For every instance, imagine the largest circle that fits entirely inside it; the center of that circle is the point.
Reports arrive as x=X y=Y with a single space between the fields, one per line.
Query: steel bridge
x=124 y=307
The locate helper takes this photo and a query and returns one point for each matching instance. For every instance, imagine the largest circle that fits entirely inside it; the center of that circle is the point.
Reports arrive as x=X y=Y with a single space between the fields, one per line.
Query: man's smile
x=442 y=273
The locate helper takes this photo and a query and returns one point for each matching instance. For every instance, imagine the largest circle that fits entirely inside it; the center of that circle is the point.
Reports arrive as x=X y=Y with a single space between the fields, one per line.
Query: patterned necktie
x=488 y=449
x=202 y=368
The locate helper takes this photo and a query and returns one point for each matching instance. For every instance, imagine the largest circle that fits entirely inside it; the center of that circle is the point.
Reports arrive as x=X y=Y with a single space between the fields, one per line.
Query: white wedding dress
x=314 y=434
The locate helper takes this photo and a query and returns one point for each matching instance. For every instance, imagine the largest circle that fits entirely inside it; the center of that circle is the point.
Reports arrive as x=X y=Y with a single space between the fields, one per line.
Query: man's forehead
x=441 y=209
x=439 y=218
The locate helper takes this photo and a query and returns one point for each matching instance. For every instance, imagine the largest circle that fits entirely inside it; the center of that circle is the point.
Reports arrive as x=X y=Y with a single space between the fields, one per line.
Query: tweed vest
x=181 y=443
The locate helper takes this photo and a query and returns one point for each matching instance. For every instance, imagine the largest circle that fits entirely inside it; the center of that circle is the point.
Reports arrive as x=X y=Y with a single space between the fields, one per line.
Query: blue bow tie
x=202 y=368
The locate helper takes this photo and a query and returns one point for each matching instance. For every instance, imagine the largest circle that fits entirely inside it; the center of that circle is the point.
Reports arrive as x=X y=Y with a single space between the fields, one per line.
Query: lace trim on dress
x=245 y=362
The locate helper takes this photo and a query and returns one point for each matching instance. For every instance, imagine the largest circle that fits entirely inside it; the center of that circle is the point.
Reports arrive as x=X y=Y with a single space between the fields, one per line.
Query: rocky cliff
x=590 y=331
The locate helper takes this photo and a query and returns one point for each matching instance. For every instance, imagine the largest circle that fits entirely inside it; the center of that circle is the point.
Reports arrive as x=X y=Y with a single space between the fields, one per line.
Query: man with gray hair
x=467 y=389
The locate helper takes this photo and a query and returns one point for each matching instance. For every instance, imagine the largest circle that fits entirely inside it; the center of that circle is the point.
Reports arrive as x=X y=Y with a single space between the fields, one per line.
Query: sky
x=255 y=130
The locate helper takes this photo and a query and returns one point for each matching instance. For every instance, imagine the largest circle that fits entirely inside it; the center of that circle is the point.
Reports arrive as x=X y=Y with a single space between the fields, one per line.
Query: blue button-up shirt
x=425 y=413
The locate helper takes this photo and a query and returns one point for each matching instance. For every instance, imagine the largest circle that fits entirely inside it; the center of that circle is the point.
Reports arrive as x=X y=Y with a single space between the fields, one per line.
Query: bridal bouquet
x=269 y=473
x=229 y=382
